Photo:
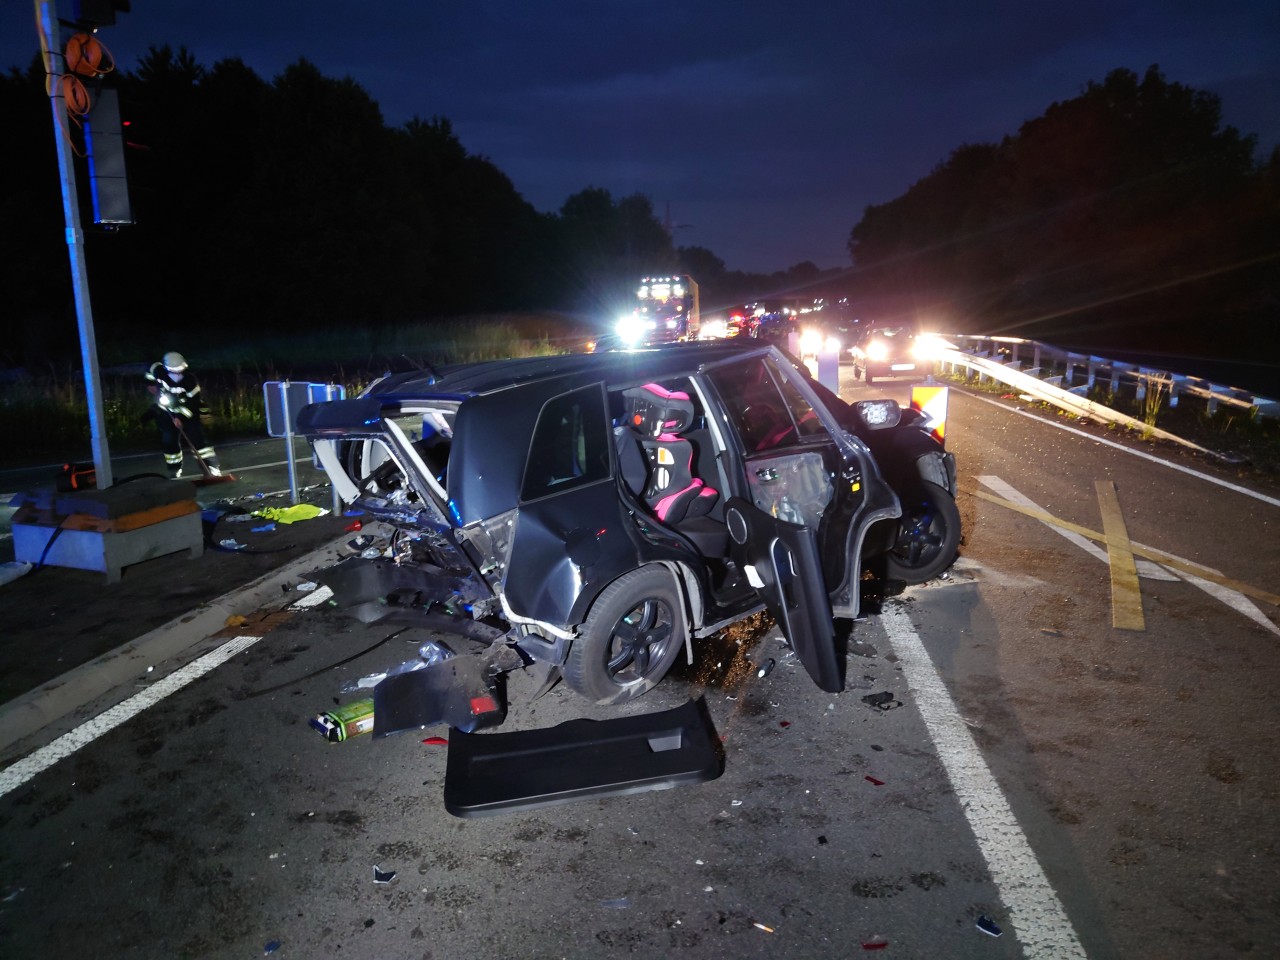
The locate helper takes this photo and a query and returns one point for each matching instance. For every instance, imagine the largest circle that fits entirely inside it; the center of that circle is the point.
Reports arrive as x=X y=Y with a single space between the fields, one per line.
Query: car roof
x=620 y=368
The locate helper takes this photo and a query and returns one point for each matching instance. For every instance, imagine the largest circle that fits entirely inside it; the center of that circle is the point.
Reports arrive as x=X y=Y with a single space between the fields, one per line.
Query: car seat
x=657 y=417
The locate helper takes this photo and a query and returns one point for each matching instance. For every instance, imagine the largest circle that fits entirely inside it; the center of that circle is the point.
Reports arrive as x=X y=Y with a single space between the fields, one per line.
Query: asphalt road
x=1094 y=790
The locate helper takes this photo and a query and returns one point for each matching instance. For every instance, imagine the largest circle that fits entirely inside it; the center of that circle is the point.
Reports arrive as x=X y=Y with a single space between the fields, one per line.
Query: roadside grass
x=44 y=415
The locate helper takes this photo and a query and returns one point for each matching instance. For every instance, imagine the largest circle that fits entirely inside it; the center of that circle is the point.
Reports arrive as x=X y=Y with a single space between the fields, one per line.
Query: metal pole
x=50 y=43
x=288 y=441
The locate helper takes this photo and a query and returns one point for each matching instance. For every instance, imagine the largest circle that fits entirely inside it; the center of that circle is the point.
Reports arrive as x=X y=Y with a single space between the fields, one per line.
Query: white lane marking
x=1232 y=598
x=1037 y=915
x=313 y=599
x=19 y=773
x=1146 y=568
x=1137 y=453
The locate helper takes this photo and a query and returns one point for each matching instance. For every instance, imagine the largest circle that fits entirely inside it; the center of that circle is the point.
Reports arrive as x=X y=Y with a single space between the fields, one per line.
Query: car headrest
x=653 y=410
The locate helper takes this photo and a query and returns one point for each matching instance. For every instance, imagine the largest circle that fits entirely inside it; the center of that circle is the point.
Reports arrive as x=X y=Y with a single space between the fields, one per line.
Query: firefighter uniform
x=176 y=404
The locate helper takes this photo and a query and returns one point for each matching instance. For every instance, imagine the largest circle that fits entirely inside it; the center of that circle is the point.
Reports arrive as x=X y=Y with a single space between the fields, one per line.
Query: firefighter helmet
x=174 y=362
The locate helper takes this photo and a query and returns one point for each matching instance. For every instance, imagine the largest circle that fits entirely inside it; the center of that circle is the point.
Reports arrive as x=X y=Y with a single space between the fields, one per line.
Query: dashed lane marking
x=19 y=773
x=1037 y=915
x=42 y=759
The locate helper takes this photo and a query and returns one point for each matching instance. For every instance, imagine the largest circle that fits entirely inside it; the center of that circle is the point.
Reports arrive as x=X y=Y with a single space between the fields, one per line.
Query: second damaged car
x=594 y=515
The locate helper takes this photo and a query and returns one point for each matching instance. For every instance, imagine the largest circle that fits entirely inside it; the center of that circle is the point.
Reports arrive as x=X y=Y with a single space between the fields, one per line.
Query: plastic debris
x=370 y=553
x=766 y=668
x=271 y=946
x=988 y=926
x=13 y=570
x=784 y=723
x=382 y=876
x=873 y=781
x=265 y=528
x=353 y=527
x=876 y=944
x=618 y=903
x=436 y=742
x=230 y=544
x=882 y=701
x=761 y=926
x=306 y=586
x=353 y=513
x=364 y=683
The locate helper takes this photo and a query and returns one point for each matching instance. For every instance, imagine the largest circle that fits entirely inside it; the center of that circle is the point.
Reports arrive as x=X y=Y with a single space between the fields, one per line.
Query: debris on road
x=873 y=781
x=382 y=876
x=766 y=668
x=293 y=514
x=988 y=926
x=761 y=926
x=345 y=722
x=882 y=701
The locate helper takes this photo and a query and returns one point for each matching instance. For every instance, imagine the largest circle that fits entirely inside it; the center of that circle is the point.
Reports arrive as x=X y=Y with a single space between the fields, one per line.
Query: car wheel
x=866 y=374
x=928 y=535
x=630 y=638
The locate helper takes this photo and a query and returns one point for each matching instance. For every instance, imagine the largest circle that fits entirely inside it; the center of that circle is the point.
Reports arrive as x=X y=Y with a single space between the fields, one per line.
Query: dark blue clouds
x=767 y=127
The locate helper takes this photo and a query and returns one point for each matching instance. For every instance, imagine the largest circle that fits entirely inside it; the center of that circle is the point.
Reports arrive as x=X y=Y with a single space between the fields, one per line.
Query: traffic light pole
x=47 y=24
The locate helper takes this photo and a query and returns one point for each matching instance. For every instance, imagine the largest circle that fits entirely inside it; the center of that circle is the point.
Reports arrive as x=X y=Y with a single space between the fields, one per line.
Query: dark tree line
x=1123 y=217
x=1126 y=217
x=291 y=205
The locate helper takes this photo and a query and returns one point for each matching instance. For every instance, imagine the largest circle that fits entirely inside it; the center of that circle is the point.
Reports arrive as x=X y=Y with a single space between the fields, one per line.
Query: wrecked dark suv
x=597 y=514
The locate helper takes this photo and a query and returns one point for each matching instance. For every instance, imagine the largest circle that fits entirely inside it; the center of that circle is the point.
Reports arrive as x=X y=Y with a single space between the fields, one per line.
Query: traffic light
x=91 y=14
x=104 y=147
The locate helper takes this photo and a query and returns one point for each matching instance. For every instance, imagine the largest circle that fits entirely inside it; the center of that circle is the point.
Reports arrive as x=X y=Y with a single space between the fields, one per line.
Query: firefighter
x=177 y=405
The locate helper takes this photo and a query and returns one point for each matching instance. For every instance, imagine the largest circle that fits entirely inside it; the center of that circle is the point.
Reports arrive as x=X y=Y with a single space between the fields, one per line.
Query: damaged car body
x=597 y=514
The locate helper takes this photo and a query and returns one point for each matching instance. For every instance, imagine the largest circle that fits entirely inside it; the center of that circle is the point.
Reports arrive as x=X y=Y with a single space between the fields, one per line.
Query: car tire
x=631 y=636
x=928 y=535
x=866 y=375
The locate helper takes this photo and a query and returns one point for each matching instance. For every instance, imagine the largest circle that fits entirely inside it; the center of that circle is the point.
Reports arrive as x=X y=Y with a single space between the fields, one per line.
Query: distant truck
x=666 y=310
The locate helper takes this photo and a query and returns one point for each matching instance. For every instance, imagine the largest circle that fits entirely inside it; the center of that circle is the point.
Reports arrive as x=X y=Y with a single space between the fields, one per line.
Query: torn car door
x=782 y=563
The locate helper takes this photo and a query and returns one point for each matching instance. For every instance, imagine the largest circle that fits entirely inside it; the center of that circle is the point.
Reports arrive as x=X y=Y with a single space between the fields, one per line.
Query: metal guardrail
x=1064 y=368
x=1051 y=379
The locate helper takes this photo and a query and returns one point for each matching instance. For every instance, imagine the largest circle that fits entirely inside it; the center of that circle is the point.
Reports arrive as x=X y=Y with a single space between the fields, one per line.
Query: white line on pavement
x=1137 y=453
x=19 y=773
x=1038 y=916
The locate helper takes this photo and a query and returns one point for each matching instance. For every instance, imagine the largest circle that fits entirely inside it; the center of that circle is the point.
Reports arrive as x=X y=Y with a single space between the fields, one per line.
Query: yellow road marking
x=1146 y=553
x=1126 y=595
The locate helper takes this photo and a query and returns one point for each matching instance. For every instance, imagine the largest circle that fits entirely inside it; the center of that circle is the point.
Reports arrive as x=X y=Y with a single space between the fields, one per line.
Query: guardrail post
x=1035 y=360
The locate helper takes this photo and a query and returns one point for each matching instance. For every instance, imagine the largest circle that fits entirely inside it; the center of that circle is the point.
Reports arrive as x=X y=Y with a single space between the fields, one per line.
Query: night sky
x=761 y=129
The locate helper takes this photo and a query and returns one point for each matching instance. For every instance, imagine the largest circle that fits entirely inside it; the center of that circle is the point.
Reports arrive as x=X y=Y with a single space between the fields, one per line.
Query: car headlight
x=878 y=351
x=630 y=330
x=925 y=348
x=810 y=341
x=879 y=414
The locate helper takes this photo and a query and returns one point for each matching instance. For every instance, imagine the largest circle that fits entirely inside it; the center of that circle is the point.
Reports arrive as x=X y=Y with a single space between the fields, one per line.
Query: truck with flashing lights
x=665 y=311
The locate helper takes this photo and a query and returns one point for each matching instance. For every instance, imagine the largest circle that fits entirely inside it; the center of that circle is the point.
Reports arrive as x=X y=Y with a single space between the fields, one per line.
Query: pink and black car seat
x=659 y=416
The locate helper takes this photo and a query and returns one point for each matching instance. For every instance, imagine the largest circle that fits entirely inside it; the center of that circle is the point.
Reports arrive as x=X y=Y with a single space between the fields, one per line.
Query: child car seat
x=659 y=416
